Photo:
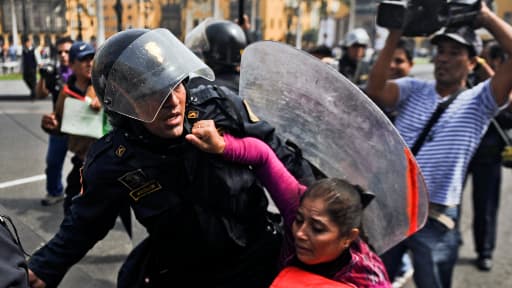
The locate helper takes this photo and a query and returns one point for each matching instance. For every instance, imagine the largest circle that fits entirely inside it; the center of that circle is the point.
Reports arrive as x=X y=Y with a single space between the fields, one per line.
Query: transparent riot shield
x=340 y=131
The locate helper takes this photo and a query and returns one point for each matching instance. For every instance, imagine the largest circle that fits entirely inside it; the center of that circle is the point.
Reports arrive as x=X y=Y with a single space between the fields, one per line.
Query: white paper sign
x=79 y=119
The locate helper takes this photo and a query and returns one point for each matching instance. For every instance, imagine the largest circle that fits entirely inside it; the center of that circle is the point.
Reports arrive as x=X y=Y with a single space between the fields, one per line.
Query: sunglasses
x=63 y=51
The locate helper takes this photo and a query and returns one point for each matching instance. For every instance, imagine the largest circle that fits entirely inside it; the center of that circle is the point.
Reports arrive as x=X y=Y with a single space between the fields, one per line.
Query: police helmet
x=135 y=70
x=358 y=36
x=220 y=42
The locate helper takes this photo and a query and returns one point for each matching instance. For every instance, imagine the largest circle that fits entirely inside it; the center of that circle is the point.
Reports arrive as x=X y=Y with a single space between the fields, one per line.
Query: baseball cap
x=464 y=35
x=79 y=50
x=356 y=36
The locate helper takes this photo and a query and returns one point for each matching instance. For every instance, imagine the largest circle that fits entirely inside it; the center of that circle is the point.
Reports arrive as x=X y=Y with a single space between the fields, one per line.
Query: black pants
x=486 y=199
x=30 y=79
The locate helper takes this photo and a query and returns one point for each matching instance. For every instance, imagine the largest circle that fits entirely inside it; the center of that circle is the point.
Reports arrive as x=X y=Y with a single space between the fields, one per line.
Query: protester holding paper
x=77 y=87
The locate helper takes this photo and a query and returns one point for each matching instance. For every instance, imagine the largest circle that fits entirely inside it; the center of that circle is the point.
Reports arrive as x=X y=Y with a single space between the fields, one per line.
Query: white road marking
x=22 y=181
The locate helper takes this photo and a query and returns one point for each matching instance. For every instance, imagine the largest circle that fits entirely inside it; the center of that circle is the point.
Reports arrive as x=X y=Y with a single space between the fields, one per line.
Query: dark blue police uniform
x=205 y=216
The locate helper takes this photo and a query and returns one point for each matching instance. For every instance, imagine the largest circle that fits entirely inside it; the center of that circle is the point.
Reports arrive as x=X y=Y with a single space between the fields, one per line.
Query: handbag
x=506 y=154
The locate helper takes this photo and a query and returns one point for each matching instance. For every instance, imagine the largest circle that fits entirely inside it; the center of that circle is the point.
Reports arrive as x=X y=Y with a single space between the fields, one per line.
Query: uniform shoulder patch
x=145 y=190
x=139 y=184
x=133 y=179
x=193 y=114
x=120 y=150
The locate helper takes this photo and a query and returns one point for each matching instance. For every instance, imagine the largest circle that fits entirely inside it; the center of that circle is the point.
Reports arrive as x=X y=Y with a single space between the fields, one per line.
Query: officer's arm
x=292 y=159
x=93 y=214
x=501 y=82
x=384 y=93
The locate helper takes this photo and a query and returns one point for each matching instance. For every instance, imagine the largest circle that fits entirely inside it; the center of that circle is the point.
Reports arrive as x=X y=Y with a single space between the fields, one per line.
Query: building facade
x=313 y=21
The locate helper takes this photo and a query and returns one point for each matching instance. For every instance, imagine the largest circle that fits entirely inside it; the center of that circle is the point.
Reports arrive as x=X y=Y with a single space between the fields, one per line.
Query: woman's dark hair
x=344 y=202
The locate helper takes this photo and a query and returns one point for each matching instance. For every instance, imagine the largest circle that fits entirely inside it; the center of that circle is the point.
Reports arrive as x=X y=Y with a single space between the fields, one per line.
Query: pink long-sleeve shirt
x=365 y=268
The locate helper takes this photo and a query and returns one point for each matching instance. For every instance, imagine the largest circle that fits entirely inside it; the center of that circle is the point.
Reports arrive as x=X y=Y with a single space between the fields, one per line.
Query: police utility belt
x=436 y=212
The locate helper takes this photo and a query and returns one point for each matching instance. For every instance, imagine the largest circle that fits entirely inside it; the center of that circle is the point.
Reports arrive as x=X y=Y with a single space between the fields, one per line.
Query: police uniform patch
x=133 y=179
x=251 y=114
x=120 y=151
x=145 y=190
x=193 y=114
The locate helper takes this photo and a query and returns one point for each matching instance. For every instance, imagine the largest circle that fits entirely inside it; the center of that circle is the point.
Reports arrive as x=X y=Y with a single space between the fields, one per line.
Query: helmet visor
x=196 y=39
x=147 y=71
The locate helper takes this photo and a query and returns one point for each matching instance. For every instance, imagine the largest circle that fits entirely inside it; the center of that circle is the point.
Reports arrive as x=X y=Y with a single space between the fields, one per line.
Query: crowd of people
x=193 y=163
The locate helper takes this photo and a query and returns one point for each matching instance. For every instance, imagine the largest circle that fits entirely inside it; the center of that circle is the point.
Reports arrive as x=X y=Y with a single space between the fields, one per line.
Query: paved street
x=22 y=185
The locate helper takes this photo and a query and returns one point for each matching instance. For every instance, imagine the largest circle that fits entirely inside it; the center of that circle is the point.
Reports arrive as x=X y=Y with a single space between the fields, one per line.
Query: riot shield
x=340 y=131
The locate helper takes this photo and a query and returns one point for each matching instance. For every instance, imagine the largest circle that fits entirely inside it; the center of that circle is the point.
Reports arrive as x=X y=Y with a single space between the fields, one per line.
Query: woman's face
x=317 y=237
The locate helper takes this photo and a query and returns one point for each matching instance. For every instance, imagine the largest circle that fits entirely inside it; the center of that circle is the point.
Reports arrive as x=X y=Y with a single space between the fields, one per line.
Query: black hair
x=408 y=45
x=344 y=202
x=63 y=39
x=496 y=51
x=322 y=50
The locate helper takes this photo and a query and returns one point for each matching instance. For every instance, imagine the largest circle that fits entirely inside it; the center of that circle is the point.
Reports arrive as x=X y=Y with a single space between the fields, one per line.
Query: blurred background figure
x=324 y=53
x=401 y=66
x=352 y=64
x=53 y=77
x=402 y=61
x=220 y=44
x=11 y=52
x=485 y=166
x=29 y=65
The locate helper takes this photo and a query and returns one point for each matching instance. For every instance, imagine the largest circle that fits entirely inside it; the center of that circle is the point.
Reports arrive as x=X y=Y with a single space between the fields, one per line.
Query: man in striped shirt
x=450 y=144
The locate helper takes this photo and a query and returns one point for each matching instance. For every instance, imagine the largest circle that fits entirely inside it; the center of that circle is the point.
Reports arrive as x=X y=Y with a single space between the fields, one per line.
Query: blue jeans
x=55 y=155
x=435 y=250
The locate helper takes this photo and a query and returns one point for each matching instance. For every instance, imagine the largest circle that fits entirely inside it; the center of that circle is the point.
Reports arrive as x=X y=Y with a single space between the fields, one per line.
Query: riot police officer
x=220 y=43
x=204 y=215
x=352 y=64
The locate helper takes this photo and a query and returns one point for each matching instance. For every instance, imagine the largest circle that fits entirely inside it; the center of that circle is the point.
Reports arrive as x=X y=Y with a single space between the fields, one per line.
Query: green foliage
x=11 y=76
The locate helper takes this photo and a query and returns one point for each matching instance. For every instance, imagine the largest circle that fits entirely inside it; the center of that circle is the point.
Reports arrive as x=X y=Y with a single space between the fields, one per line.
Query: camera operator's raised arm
x=381 y=91
x=501 y=83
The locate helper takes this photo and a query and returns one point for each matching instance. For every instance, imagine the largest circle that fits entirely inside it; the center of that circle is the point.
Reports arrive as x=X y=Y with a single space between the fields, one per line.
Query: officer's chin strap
x=187 y=126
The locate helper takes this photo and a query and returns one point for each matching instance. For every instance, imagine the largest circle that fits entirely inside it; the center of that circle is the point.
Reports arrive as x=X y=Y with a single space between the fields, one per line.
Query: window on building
x=508 y=17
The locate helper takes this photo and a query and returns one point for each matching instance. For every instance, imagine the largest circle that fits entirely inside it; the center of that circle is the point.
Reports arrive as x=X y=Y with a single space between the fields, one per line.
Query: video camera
x=424 y=17
x=50 y=75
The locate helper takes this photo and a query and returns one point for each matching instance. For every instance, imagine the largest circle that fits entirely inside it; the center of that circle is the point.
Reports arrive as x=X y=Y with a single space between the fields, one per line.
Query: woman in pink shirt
x=322 y=222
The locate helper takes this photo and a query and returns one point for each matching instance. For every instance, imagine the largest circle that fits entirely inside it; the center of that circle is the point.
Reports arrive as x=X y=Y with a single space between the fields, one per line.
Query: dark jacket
x=356 y=72
x=202 y=213
x=13 y=268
